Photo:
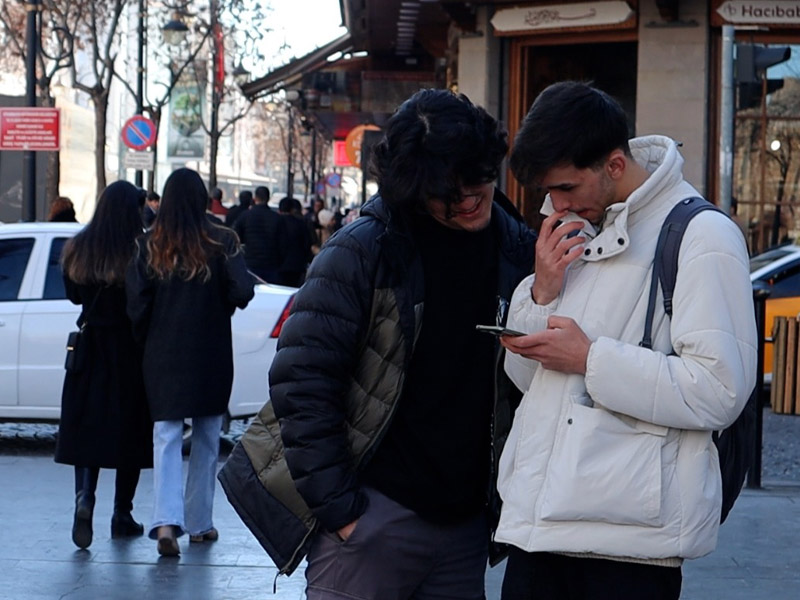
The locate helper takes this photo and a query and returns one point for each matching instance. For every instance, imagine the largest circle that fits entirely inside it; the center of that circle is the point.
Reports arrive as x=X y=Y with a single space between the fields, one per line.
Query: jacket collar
x=660 y=157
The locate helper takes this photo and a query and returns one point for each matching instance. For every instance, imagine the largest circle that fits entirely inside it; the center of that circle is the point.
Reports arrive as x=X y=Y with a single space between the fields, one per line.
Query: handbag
x=75 y=360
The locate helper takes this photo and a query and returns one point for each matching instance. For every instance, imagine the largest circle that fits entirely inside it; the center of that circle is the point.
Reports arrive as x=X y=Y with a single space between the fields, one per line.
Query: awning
x=292 y=72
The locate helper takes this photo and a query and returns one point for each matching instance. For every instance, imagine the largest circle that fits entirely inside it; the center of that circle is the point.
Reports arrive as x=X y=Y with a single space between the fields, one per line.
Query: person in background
x=105 y=422
x=62 y=210
x=187 y=278
x=215 y=204
x=313 y=224
x=260 y=230
x=235 y=211
x=389 y=405
x=296 y=244
x=150 y=208
x=610 y=478
x=338 y=215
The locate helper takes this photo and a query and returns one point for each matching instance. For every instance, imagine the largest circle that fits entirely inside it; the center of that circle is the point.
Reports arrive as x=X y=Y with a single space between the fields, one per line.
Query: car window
x=14 y=254
x=785 y=282
x=54 y=282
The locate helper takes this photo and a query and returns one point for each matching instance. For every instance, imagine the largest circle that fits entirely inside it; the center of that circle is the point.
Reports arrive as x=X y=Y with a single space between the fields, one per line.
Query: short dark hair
x=245 y=198
x=433 y=144
x=285 y=205
x=569 y=123
x=153 y=196
x=216 y=193
x=262 y=194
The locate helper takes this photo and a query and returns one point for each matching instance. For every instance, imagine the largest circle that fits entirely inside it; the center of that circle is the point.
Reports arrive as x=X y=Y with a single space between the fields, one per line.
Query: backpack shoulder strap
x=665 y=263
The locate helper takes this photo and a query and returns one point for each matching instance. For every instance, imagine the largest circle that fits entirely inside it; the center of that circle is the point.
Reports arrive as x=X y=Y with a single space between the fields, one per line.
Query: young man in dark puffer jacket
x=389 y=402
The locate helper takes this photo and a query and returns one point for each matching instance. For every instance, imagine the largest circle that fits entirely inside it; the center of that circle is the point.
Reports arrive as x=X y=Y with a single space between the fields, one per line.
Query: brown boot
x=167 y=541
x=211 y=535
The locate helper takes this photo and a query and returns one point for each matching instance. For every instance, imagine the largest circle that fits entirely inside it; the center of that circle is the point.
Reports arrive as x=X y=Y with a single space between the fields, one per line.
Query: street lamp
x=174 y=33
x=174 y=30
x=241 y=75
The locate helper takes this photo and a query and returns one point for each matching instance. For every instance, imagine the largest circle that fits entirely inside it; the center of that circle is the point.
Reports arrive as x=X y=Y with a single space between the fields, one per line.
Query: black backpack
x=734 y=444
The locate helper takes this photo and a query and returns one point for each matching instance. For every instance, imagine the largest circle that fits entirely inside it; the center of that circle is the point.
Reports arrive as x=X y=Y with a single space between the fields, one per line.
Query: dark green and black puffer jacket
x=338 y=375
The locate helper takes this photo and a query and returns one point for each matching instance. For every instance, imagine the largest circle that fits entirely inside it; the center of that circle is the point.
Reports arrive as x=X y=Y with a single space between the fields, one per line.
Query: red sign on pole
x=33 y=129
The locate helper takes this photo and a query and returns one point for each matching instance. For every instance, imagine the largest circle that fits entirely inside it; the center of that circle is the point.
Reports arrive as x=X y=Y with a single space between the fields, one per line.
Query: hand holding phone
x=498 y=330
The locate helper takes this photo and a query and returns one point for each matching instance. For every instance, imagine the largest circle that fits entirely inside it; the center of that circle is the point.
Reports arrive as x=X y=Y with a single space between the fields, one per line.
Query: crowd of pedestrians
x=158 y=279
x=403 y=448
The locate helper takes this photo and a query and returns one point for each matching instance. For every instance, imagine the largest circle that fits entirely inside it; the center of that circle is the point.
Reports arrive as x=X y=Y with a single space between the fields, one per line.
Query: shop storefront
x=662 y=60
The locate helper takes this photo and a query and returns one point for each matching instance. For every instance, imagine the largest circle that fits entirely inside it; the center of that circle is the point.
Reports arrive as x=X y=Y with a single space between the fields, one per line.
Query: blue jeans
x=190 y=512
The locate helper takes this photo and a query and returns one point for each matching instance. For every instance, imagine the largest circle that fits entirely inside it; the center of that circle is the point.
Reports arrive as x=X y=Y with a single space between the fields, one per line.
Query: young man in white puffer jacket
x=610 y=478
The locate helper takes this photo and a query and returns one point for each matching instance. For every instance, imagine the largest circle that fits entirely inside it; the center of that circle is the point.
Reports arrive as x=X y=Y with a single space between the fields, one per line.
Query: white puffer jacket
x=620 y=462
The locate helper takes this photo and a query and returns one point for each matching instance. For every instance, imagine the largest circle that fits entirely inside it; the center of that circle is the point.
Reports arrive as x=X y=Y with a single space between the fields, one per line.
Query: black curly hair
x=433 y=144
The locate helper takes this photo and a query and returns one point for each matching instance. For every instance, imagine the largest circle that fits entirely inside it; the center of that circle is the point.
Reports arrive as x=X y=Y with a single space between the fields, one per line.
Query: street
x=756 y=557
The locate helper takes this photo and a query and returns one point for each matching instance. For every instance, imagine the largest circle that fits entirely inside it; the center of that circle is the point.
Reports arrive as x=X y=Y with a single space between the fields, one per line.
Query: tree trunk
x=100 y=114
x=155 y=116
x=212 y=161
x=53 y=172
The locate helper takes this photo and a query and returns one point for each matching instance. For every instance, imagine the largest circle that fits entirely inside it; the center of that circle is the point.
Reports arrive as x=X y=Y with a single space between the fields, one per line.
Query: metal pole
x=140 y=78
x=760 y=295
x=776 y=221
x=217 y=52
x=726 y=116
x=29 y=156
x=313 y=162
x=290 y=144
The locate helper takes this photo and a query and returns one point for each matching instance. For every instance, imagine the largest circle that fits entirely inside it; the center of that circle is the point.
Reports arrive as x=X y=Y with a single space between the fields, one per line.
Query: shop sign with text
x=563 y=16
x=752 y=12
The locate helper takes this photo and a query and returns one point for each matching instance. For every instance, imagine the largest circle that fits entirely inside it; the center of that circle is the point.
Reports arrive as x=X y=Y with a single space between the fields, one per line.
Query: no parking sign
x=138 y=132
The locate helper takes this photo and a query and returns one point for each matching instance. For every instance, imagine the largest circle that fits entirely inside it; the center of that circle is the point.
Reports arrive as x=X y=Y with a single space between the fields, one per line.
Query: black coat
x=185 y=328
x=297 y=245
x=104 y=413
x=339 y=372
x=234 y=212
x=260 y=230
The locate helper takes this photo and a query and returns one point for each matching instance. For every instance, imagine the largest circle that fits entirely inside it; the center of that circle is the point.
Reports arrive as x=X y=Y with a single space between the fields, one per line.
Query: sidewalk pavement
x=758 y=556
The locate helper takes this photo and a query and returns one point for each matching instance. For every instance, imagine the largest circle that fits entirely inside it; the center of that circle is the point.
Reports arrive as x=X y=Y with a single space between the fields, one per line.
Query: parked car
x=36 y=317
x=778 y=269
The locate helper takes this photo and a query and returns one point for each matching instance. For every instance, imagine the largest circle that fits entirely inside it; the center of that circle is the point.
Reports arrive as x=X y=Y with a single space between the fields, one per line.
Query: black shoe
x=123 y=525
x=82 y=525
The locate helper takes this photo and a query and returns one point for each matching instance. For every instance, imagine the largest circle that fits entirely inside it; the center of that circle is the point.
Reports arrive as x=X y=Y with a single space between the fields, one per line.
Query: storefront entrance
x=535 y=64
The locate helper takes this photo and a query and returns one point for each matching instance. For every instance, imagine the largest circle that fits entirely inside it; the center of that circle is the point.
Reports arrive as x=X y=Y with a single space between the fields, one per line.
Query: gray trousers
x=395 y=555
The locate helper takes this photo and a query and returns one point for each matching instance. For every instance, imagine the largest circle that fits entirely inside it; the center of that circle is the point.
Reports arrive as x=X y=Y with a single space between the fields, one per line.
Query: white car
x=36 y=317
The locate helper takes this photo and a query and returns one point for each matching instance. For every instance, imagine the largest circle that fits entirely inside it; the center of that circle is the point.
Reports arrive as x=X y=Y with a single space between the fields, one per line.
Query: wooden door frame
x=519 y=96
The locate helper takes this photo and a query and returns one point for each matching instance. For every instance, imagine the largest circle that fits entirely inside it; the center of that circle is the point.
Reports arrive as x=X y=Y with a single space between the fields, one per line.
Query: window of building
x=766 y=169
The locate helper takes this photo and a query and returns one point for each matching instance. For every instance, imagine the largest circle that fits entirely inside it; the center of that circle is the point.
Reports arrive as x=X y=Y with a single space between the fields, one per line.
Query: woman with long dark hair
x=104 y=415
x=184 y=284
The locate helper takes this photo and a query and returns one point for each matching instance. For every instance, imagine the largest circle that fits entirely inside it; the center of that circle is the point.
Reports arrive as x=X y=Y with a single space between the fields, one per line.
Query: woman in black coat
x=183 y=286
x=104 y=415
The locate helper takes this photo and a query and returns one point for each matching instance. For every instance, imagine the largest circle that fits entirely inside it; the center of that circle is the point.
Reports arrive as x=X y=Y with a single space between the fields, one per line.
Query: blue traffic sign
x=138 y=133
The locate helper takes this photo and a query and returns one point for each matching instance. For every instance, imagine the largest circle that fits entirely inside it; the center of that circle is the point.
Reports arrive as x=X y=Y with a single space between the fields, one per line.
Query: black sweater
x=435 y=457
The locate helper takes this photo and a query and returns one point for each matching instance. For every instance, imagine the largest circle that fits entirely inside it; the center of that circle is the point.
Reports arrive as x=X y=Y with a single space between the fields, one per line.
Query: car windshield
x=763 y=259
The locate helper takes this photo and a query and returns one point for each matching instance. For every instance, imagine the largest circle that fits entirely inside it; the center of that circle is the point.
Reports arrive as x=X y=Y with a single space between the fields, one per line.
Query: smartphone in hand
x=497 y=330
